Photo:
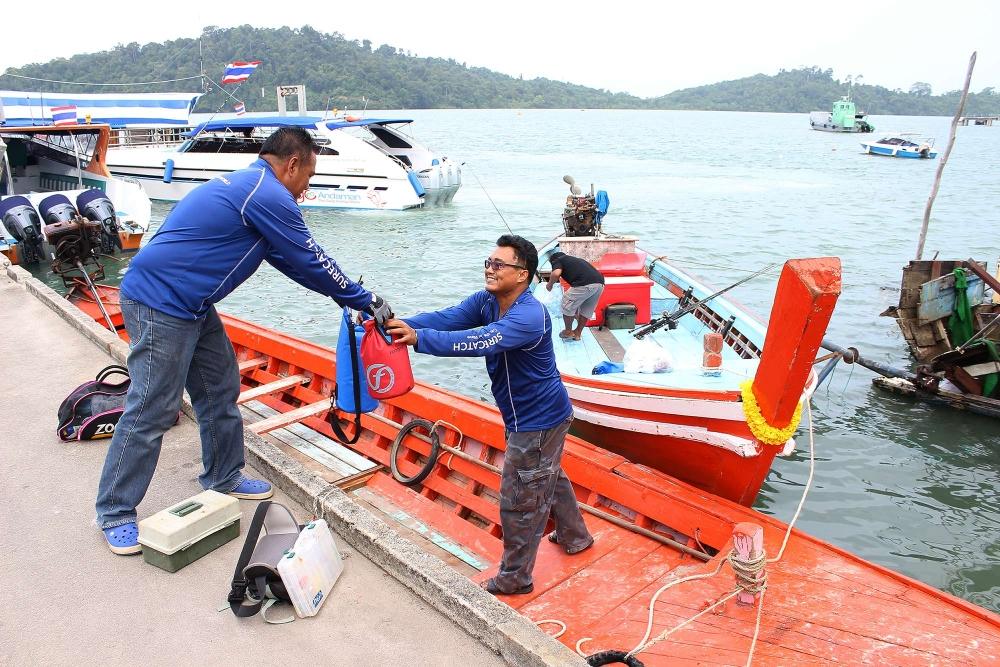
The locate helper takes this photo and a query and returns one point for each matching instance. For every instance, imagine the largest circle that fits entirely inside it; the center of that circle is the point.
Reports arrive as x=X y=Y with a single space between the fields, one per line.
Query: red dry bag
x=387 y=364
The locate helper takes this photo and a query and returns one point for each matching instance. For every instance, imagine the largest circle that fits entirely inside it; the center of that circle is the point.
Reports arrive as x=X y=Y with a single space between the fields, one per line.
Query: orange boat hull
x=822 y=604
x=702 y=436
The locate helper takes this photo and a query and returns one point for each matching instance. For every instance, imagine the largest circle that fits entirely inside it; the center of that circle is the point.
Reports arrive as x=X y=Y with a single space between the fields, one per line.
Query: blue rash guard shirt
x=518 y=352
x=217 y=236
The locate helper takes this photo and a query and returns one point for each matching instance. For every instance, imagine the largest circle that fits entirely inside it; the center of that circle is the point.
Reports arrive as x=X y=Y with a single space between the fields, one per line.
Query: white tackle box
x=179 y=535
x=311 y=568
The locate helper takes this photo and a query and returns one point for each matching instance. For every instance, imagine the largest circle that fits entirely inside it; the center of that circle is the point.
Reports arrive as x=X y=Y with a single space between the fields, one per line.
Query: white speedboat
x=363 y=163
x=52 y=175
x=906 y=145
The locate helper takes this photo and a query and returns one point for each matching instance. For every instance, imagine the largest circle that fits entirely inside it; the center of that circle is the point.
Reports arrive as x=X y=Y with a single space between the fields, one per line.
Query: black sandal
x=554 y=539
x=490 y=586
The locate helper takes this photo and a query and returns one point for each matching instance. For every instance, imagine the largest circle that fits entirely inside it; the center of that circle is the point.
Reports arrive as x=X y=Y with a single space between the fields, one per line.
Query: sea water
x=909 y=486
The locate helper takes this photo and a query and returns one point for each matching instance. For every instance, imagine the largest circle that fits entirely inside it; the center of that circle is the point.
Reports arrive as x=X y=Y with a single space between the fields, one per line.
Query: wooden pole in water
x=803 y=304
x=944 y=158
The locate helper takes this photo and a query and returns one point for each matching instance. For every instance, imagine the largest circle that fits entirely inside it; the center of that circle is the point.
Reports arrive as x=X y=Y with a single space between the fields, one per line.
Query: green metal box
x=180 y=535
x=620 y=316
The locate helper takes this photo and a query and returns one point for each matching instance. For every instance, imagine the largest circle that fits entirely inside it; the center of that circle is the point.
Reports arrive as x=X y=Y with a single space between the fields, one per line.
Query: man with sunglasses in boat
x=213 y=240
x=506 y=324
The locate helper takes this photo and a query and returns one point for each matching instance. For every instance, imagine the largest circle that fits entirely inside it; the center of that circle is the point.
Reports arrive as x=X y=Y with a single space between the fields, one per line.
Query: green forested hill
x=338 y=72
x=813 y=89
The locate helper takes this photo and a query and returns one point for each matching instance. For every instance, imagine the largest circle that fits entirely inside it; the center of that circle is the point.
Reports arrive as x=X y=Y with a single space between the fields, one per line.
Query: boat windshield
x=897 y=141
x=246 y=141
x=64 y=147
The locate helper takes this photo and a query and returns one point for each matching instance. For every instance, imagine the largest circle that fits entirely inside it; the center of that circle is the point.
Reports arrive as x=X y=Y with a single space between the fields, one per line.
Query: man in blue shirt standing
x=506 y=324
x=213 y=240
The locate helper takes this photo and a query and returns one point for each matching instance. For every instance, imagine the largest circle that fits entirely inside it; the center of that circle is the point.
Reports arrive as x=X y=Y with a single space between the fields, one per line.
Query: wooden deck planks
x=469 y=536
x=271 y=387
x=249 y=364
x=787 y=633
x=629 y=568
x=316 y=446
x=283 y=419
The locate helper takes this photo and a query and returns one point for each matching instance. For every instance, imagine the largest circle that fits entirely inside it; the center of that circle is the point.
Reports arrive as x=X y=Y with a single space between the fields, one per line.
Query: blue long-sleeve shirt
x=518 y=352
x=217 y=236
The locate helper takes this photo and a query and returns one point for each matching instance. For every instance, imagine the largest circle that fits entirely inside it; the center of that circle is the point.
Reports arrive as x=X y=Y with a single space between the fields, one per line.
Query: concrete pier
x=71 y=601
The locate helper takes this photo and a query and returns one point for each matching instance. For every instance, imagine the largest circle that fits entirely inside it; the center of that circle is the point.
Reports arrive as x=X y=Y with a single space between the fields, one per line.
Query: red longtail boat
x=659 y=579
x=692 y=420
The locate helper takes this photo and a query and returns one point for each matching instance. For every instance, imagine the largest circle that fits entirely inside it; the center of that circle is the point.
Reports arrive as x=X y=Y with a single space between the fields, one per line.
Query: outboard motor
x=56 y=208
x=74 y=238
x=22 y=222
x=96 y=206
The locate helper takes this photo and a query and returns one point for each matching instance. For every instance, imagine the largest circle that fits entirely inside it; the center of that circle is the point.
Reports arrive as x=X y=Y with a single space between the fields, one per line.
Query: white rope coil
x=554 y=621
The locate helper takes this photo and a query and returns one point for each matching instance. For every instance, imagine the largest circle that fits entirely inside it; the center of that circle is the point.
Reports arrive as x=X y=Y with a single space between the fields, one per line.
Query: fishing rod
x=670 y=320
x=495 y=208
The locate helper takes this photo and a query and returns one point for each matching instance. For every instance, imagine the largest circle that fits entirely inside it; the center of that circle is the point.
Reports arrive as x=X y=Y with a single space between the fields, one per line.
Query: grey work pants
x=532 y=486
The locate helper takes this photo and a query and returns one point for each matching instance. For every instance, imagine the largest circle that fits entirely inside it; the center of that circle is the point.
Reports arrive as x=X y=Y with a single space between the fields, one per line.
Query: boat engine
x=56 y=208
x=75 y=239
x=583 y=213
x=97 y=207
x=21 y=220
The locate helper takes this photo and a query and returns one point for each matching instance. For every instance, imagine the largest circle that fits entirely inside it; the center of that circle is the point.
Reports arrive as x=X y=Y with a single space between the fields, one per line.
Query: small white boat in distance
x=363 y=163
x=906 y=144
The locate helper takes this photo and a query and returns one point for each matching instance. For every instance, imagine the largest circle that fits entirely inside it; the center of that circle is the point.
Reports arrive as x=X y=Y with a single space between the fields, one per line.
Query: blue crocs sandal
x=252 y=489
x=124 y=539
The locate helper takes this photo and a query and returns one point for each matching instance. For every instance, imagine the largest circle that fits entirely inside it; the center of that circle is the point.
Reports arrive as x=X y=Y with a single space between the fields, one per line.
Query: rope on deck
x=745 y=570
x=556 y=621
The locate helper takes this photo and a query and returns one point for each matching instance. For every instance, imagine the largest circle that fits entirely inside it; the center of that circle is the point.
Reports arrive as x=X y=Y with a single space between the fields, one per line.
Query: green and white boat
x=843 y=118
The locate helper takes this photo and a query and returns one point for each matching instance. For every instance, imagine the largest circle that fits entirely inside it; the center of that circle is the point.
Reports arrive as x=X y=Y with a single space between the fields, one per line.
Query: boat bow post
x=803 y=305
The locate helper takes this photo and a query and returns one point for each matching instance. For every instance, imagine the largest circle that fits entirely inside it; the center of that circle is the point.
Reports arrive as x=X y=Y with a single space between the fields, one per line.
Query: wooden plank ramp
x=337 y=464
x=271 y=387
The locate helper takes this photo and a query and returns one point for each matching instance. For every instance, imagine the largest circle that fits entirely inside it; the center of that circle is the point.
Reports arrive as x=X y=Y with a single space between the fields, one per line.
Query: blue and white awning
x=116 y=109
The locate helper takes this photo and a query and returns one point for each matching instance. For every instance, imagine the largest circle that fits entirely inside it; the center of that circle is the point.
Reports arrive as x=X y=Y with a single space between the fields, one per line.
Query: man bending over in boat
x=213 y=240
x=506 y=324
x=585 y=287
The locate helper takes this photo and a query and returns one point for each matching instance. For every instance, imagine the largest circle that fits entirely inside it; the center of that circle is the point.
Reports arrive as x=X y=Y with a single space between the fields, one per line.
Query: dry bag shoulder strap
x=239 y=585
x=334 y=422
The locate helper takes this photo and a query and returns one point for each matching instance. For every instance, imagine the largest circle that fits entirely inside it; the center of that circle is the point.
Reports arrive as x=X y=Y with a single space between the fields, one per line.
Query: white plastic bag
x=645 y=356
x=545 y=296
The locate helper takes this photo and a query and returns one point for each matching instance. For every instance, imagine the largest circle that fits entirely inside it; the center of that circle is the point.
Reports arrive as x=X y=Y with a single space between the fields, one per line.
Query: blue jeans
x=168 y=355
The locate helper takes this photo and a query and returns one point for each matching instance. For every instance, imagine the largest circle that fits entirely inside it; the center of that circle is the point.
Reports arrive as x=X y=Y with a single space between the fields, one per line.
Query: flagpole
x=216 y=112
x=222 y=88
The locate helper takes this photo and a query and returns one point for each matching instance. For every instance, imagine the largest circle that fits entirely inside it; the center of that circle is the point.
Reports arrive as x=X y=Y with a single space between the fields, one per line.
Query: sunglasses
x=496 y=265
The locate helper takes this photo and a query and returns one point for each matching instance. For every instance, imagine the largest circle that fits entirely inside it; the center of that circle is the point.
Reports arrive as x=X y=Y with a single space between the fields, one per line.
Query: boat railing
x=148 y=136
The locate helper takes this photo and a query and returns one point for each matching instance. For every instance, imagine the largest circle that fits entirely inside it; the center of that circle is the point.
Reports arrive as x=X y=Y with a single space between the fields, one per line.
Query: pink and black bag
x=92 y=410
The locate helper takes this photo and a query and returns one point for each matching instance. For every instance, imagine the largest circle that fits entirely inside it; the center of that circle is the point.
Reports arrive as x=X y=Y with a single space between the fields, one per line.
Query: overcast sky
x=646 y=48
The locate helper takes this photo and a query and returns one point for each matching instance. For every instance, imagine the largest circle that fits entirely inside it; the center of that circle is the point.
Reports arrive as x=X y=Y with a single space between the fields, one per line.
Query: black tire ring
x=431 y=460
x=613 y=658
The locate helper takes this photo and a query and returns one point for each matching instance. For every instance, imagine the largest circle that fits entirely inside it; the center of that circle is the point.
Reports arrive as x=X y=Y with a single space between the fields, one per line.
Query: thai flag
x=239 y=71
x=239 y=108
x=64 y=115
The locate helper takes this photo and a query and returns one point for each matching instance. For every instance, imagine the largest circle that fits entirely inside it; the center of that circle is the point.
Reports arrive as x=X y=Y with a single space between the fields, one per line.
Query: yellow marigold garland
x=761 y=430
